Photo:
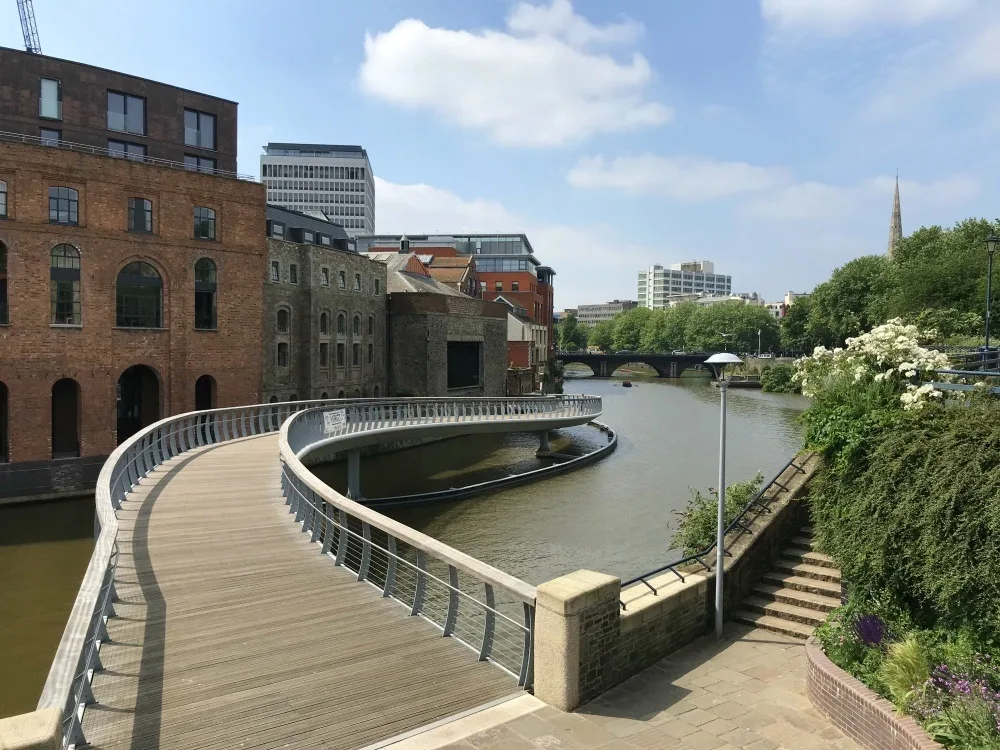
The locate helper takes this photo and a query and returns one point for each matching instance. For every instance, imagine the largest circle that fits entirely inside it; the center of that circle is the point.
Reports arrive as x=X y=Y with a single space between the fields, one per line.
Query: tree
x=571 y=335
x=677 y=324
x=628 y=327
x=655 y=336
x=738 y=319
x=602 y=335
x=854 y=300
x=795 y=335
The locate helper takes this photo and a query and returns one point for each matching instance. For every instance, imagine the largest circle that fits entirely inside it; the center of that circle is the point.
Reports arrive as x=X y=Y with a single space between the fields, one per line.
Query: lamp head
x=992 y=242
x=719 y=362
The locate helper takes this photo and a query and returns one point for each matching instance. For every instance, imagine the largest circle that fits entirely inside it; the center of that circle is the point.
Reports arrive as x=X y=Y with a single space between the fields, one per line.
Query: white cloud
x=423 y=209
x=836 y=17
x=559 y=21
x=684 y=178
x=535 y=86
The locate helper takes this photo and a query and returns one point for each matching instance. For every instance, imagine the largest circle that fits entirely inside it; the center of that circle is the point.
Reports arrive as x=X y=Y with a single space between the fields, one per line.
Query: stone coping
x=868 y=719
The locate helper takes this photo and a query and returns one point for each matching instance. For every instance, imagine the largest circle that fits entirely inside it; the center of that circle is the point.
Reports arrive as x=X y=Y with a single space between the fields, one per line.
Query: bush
x=698 y=523
x=905 y=670
x=778 y=378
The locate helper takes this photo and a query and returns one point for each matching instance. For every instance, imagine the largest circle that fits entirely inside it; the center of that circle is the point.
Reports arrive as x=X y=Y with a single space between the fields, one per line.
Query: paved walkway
x=747 y=692
x=235 y=632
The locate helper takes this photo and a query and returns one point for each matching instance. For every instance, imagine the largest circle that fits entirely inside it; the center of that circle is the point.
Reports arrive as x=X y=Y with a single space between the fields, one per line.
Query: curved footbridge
x=234 y=600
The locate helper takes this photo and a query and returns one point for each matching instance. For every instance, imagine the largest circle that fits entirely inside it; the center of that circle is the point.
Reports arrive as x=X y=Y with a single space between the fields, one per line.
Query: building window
x=324 y=355
x=282 y=321
x=325 y=276
x=357 y=282
x=205 y=289
x=126 y=113
x=3 y=199
x=340 y=355
x=64 y=205
x=204 y=223
x=343 y=280
x=514 y=286
x=65 y=419
x=278 y=230
x=498 y=286
x=324 y=323
x=199 y=163
x=140 y=215
x=371 y=325
x=371 y=353
x=357 y=325
x=293 y=274
x=308 y=236
x=64 y=285
x=50 y=137
x=356 y=355
x=376 y=286
x=275 y=271
x=282 y=354
x=50 y=99
x=199 y=129
x=341 y=324
x=463 y=363
x=3 y=287
x=139 y=293
x=134 y=151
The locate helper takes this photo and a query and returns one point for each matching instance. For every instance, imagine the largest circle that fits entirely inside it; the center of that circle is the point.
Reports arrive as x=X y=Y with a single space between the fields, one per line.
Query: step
x=804 y=599
x=774 y=624
x=818 y=559
x=802 y=615
x=807 y=531
x=801 y=583
x=807 y=570
x=803 y=542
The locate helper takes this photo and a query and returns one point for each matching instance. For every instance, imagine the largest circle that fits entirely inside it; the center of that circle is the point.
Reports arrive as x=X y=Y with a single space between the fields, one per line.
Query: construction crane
x=31 y=43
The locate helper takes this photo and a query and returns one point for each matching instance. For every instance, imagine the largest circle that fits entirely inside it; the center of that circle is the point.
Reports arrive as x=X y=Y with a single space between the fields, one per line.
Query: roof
x=315 y=148
x=444 y=261
x=291 y=218
x=448 y=275
x=399 y=280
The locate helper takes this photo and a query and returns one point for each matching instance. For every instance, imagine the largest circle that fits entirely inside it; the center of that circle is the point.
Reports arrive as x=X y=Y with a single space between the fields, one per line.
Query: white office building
x=336 y=181
x=658 y=284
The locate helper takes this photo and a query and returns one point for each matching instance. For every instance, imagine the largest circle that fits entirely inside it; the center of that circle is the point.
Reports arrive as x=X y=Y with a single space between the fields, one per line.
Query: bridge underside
x=607 y=368
x=234 y=631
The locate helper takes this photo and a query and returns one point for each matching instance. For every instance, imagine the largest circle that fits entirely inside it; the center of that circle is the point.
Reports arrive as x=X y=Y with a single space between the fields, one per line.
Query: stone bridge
x=604 y=365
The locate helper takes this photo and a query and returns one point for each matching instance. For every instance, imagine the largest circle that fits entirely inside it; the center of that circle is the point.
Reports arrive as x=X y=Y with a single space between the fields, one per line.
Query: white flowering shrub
x=890 y=353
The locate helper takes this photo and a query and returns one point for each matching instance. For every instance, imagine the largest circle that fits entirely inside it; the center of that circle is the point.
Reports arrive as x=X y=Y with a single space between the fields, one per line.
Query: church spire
x=896 y=223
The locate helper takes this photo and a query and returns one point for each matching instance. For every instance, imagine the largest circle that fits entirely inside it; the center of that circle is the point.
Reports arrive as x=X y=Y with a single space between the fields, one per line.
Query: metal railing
x=758 y=505
x=975 y=360
x=68 y=685
x=83 y=148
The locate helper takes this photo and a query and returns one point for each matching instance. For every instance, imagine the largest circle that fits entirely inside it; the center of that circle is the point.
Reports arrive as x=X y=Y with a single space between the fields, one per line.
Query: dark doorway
x=463 y=363
x=138 y=400
x=4 y=426
x=65 y=419
x=204 y=393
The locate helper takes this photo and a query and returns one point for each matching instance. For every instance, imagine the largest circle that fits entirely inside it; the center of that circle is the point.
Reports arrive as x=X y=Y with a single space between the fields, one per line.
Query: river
x=615 y=516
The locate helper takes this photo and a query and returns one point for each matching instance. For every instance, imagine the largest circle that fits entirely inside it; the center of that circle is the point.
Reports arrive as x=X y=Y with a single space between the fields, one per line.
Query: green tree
x=677 y=324
x=628 y=327
x=602 y=335
x=795 y=336
x=855 y=299
x=571 y=335
x=740 y=321
x=655 y=336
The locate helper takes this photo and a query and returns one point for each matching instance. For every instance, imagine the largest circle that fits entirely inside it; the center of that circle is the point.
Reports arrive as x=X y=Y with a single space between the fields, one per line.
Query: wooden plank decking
x=234 y=632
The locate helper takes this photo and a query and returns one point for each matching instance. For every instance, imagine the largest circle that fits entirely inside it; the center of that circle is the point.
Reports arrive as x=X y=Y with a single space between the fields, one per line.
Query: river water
x=616 y=516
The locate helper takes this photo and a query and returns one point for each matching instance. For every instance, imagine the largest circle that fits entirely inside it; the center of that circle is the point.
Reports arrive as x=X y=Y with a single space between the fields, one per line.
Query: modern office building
x=314 y=178
x=591 y=315
x=53 y=101
x=657 y=284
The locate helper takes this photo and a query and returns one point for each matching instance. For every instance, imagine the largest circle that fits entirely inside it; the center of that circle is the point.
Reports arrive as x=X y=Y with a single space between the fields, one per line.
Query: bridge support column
x=577 y=627
x=543 y=444
x=354 y=474
x=673 y=370
x=604 y=369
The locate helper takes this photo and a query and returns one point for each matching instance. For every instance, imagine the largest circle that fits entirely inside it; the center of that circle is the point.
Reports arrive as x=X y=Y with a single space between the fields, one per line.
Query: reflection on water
x=617 y=515
x=44 y=551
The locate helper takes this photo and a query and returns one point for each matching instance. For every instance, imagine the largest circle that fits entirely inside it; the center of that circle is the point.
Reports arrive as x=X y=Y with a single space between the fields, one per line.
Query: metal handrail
x=737 y=523
x=68 y=685
x=83 y=148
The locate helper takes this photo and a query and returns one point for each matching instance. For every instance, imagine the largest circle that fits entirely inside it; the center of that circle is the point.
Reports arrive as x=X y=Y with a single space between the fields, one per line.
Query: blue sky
x=761 y=134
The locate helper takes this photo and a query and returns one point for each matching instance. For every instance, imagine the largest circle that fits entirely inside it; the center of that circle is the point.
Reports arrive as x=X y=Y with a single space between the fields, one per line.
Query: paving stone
x=530 y=726
x=718 y=726
x=702 y=741
x=780 y=732
x=698 y=717
x=740 y=736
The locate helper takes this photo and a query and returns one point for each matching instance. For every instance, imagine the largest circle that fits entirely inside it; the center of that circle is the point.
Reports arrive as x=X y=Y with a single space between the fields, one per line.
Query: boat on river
x=627 y=384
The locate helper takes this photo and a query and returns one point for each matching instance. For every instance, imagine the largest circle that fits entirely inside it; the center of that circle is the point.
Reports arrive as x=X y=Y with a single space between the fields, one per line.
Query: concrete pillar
x=354 y=474
x=39 y=730
x=577 y=634
x=543 y=443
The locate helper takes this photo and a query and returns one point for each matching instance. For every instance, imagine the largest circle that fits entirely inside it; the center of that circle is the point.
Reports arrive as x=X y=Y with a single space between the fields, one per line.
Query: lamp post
x=992 y=242
x=718 y=363
x=758 y=343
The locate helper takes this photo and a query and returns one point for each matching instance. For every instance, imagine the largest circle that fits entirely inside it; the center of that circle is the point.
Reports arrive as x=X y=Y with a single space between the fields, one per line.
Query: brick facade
x=34 y=353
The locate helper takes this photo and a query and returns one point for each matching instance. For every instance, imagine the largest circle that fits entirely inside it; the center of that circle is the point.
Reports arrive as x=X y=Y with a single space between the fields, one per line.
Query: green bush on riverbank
x=778 y=378
x=698 y=523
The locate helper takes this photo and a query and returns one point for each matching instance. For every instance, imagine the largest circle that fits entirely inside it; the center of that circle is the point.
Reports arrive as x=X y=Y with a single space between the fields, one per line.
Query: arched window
x=324 y=395
x=64 y=285
x=4 y=425
x=357 y=393
x=282 y=354
x=371 y=325
x=375 y=392
x=64 y=205
x=340 y=394
x=4 y=319
x=341 y=324
x=204 y=393
x=65 y=419
x=205 y=288
x=273 y=400
x=357 y=325
x=139 y=293
x=282 y=320
x=324 y=323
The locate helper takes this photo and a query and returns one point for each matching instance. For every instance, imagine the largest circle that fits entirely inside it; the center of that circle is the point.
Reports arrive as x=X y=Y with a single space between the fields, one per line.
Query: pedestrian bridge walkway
x=233 y=600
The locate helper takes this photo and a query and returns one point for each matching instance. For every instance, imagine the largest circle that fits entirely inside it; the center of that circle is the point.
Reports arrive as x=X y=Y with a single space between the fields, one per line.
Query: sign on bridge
x=334 y=420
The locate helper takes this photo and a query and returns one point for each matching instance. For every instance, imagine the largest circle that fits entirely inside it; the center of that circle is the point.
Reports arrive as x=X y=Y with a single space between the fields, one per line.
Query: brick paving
x=746 y=692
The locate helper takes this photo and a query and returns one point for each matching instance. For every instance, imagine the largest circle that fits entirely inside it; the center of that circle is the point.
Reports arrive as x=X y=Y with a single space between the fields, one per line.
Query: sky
x=763 y=135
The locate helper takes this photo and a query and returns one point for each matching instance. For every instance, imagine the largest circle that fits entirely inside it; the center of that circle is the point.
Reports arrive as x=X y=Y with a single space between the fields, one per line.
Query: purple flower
x=870 y=630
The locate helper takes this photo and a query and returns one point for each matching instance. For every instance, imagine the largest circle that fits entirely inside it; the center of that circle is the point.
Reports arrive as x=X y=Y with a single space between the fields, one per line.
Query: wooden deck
x=234 y=632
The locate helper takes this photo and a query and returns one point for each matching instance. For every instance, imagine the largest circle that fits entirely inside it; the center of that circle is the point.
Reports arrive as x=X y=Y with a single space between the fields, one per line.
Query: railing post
x=314 y=516
x=342 y=538
x=366 y=551
x=420 y=589
x=300 y=510
x=328 y=530
x=489 y=626
x=527 y=676
x=390 y=568
x=449 y=621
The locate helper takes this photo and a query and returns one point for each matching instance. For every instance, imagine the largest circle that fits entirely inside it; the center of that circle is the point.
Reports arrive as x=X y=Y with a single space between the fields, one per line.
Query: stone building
x=128 y=292
x=441 y=342
x=324 y=312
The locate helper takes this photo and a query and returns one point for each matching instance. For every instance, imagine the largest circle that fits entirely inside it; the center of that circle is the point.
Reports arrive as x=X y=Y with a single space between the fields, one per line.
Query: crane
x=27 y=12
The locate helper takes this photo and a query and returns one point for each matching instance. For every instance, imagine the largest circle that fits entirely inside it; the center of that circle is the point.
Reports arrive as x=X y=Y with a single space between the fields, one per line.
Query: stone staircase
x=797 y=594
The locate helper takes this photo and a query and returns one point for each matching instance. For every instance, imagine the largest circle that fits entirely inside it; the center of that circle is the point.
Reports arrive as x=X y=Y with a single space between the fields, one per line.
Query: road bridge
x=604 y=365
x=233 y=599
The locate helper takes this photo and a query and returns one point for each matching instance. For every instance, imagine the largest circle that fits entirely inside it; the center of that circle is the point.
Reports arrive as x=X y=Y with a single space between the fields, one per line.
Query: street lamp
x=718 y=363
x=992 y=242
